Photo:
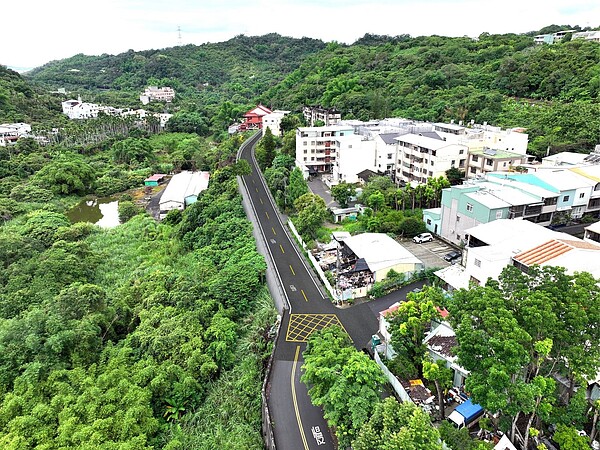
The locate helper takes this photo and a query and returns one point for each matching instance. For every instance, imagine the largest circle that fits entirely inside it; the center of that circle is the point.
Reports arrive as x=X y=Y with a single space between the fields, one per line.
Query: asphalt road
x=297 y=424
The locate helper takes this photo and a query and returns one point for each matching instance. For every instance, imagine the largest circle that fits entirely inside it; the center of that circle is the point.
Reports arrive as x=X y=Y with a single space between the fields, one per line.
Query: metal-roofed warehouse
x=182 y=191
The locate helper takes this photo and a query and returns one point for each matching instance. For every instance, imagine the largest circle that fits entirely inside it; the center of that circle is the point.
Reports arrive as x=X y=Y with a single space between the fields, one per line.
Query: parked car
x=452 y=256
x=423 y=237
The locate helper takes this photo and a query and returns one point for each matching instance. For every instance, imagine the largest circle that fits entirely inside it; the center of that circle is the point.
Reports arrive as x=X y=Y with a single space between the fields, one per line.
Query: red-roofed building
x=253 y=118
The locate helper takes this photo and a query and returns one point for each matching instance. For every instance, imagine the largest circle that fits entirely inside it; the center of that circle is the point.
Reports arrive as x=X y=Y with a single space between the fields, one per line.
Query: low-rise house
x=154 y=180
x=273 y=122
x=494 y=245
x=11 y=132
x=592 y=232
x=253 y=119
x=482 y=161
x=183 y=190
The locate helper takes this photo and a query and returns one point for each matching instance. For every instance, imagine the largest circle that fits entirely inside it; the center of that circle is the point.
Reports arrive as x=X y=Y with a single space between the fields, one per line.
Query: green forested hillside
x=22 y=102
x=237 y=70
x=505 y=80
x=552 y=90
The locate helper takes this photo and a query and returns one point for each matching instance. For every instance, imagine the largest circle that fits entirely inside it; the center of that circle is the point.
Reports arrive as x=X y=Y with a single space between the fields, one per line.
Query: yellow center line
x=292 y=269
x=261 y=202
x=274 y=231
x=295 y=401
x=267 y=215
x=256 y=189
x=281 y=247
x=303 y=294
x=253 y=182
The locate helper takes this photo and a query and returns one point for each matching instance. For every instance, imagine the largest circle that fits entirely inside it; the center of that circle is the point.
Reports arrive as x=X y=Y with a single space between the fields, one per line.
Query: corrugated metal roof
x=542 y=253
x=185 y=184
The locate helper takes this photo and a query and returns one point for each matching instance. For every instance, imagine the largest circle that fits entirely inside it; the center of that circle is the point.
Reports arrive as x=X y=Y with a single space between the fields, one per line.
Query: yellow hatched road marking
x=295 y=401
x=301 y=326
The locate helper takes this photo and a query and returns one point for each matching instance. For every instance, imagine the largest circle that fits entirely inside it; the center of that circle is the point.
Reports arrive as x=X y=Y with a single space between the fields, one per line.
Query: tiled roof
x=543 y=253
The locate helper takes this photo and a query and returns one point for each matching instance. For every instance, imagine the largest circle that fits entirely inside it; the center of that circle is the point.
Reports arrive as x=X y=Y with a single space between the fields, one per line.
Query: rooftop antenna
x=179 y=42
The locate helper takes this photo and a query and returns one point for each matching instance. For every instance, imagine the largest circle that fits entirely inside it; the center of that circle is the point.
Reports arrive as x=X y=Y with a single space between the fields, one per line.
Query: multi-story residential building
x=11 y=132
x=316 y=147
x=479 y=202
x=428 y=154
x=386 y=150
x=329 y=116
x=77 y=109
x=158 y=94
x=593 y=36
x=552 y=38
x=492 y=246
x=485 y=160
x=353 y=154
x=545 y=197
x=573 y=189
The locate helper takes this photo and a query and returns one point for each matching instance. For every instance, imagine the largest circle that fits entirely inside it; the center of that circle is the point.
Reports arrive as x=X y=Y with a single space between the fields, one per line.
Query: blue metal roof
x=469 y=410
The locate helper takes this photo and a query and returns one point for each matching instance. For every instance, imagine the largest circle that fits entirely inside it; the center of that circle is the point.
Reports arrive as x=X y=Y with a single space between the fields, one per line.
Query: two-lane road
x=297 y=424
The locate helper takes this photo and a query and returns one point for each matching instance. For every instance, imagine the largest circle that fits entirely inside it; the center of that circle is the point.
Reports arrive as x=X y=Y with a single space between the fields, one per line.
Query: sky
x=34 y=32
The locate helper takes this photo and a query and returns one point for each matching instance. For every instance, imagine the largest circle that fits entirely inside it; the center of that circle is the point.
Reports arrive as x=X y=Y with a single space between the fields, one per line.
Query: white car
x=423 y=237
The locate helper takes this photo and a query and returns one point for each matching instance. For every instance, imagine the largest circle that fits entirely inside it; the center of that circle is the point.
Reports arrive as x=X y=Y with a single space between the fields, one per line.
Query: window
x=477 y=262
x=350 y=146
x=469 y=207
x=432 y=163
x=460 y=152
x=504 y=164
x=453 y=162
x=473 y=170
x=566 y=198
x=305 y=151
x=304 y=143
x=428 y=221
x=458 y=218
x=475 y=158
x=582 y=195
x=498 y=214
x=305 y=158
x=489 y=162
x=430 y=173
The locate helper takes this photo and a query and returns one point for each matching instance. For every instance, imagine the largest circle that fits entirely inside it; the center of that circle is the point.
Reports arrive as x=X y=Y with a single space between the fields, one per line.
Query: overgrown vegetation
x=141 y=336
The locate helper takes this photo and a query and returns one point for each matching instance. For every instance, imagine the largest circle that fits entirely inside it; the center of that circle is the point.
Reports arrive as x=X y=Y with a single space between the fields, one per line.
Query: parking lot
x=431 y=253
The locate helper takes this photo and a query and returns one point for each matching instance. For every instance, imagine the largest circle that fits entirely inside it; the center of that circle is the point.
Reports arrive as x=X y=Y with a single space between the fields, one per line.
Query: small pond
x=101 y=211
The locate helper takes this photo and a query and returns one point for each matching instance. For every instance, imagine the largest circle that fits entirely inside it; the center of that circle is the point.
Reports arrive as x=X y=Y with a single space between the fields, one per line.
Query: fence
x=393 y=380
x=314 y=262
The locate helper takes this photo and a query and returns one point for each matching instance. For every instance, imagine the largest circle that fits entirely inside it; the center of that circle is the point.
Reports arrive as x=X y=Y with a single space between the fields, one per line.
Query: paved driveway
x=431 y=253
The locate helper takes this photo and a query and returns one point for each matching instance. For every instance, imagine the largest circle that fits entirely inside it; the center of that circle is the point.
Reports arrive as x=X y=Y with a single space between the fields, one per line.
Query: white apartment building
x=353 y=154
x=329 y=116
x=77 y=109
x=159 y=94
x=426 y=155
x=587 y=35
x=316 y=147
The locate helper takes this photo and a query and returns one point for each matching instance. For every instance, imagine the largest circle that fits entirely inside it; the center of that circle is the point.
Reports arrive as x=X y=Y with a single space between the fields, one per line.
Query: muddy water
x=100 y=211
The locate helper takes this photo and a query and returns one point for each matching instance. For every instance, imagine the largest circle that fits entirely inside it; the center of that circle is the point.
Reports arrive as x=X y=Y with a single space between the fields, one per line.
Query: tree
x=346 y=383
x=396 y=425
x=297 y=186
x=127 y=210
x=311 y=213
x=455 y=176
x=132 y=150
x=188 y=122
x=268 y=144
x=408 y=325
x=442 y=378
x=67 y=174
x=342 y=192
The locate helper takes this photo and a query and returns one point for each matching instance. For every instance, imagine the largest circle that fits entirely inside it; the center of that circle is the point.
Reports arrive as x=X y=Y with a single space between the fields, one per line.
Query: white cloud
x=42 y=31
